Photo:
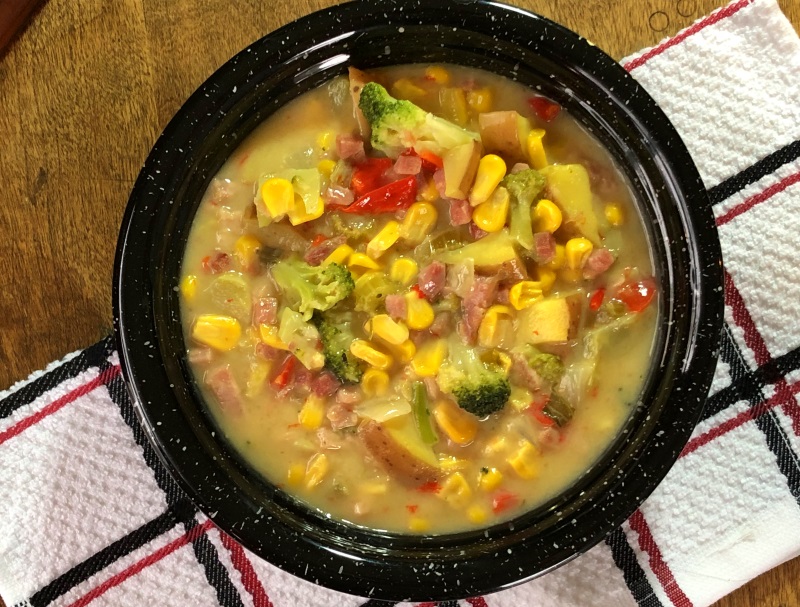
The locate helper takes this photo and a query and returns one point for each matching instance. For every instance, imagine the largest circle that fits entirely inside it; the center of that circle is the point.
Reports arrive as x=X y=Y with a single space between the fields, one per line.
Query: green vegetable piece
x=491 y=250
x=478 y=387
x=336 y=335
x=419 y=407
x=371 y=290
x=559 y=410
x=310 y=288
x=397 y=125
x=302 y=338
x=549 y=366
x=523 y=188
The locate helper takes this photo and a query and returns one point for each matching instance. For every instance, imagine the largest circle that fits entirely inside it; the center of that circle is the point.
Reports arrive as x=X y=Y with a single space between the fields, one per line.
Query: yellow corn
x=325 y=141
x=536 y=153
x=339 y=255
x=325 y=167
x=491 y=170
x=523 y=294
x=383 y=240
x=359 y=261
x=364 y=350
x=497 y=445
x=438 y=74
x=577 y=251
x=312 y=412
x=419 y=315
x=316 y=470
x=480 y=100
x=477 y=514
x=546 y=216
x=520 y=398
x=390 y=331
x=217 y=331
x=404 y=271
x=405 y=89
x=559 y=259
x=491 y=215
x=375 y=382
x=295 y=474
x=429 y=192
x=372 y=488
x=259 y=370
x=487 y=331
x=545 y=278
x=525 y=461
x=614 y=214
x=278 y=196
x=403 y=352
x=453 y=105
x=246 y=248
x=269 y=335
x=429 y=358
x=490 y=479
x=189 y=287
x=418 y=524
x=298 y=214
x=460 y=426
x=455 y=490
x=450 y=463
x=498 y=358
x=418 y=222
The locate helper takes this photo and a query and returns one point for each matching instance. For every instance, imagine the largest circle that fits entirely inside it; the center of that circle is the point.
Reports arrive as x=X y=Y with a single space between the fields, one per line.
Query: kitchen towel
x=91 y=517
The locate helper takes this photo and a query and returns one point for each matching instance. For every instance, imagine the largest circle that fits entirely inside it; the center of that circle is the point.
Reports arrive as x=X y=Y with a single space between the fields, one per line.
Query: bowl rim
x=303 y=550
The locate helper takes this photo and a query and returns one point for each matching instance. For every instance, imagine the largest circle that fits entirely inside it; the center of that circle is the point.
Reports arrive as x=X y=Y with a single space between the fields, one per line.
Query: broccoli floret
x=549 y=366
x=398 y=124
x=336 y=337
x=312 y=288
x=478 y=387
x=523 y=188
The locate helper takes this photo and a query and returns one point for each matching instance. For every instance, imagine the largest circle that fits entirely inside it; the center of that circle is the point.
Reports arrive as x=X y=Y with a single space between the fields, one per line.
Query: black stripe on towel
x=635 y=578
x=377 y=603
x=753 y=173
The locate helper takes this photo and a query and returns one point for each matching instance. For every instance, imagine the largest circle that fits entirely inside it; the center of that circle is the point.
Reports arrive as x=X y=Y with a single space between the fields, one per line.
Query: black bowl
x=299 y=57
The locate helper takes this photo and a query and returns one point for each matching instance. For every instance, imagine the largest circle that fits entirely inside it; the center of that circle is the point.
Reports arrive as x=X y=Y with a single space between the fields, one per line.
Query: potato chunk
x=506 y=134
x=550 y=320
x=398 y=461
x=569 y=187
x=460 y=166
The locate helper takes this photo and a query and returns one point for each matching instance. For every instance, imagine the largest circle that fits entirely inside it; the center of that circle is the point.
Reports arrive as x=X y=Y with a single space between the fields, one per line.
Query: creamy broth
x=480 y=469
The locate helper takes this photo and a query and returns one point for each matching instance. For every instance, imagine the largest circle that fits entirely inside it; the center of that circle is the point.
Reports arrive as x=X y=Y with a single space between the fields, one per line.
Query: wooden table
x=87 y=88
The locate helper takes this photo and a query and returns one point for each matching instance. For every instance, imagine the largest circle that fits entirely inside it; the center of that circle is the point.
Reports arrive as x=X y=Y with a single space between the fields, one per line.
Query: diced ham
x=432 y=387
x=598 y=262
x=299 y=384
x=325 y=384
x=350 y=147
x=224 y=387
x=317 y=253
x=523 y=374
x=471 y=318
x=341 y=417
x=408 y=164
x=511 y=270
x=431 y=279
x=439 y=182
x=483 y=291
x=216 y=263
x=339 y=196
x=328 y=439
x=460 y=212
x=548 y=437
x=267 y=352
x=474 y=306
x=519 y=166
x=502 y=296
x=441 y=325
x=396 y=306
x=544 y=247
x=476 y=232
x=200 y=356
x=265 y=311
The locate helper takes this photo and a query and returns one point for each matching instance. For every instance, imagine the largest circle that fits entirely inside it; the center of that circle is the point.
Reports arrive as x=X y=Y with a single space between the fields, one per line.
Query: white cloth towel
x=91 y=517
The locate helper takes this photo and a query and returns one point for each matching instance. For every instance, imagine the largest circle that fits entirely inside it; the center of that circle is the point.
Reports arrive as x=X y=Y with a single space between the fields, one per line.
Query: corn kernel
x=419 y=314
x=547 y=216
x=429 y=358
x=491 y=215
x=217 y=331
x=545 y=278
x=404 y=271
x=325 y=141
x=325 y=167
x=577 y=251
x=450 y=463
x=480 y=100
x=418 y=524
x=455 y=490
x=438 y=74
x=372 y=488
x=316 y=470
x=477 y=514
x=460 y=426
x=359 y=261
x=295 y=474
x=298 y=214
x=524 y=294
x=488 y=335
x=383 y=240
x=497 y=445
x=614 y=214
x=269 y=335
x=403 y=352
x=405 y=89
x=491 y=170
x=390 y=331
x=312 y=412
x=364 y=350
x=419 y=221
x=520 y=398
x=278 y=196
x=536 y=153
x=502 y=360
x=259 y=370
x=375 y=382
x=246 y=249
x=429 y=193
x=525 y=461
x=559 y=259
x=490 y=480
x=339 y=255
x=189 y=287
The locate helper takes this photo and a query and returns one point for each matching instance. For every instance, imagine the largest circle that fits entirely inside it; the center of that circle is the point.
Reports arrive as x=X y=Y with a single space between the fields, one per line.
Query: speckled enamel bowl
x=299 y=57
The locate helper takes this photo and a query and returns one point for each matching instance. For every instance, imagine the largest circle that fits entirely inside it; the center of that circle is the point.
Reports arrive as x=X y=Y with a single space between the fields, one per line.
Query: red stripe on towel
x=758 y=198
x=477 y=601
x=657 y=564
x=21 y=426
x=138 y=566
x=741 y=316
x=713 y=18
x=250 y=579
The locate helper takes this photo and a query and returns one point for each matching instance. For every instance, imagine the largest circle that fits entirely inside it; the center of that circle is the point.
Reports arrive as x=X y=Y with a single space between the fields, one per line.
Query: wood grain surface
x=87 y=88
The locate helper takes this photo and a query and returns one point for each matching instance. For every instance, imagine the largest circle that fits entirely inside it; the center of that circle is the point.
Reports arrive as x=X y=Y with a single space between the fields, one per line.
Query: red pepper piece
x=544 y=108
x=412 y=508
x=504 y=500
x=429 y=487
x=367 y=175
x=430 y=162
x=596 y=300
x=418 y=290
x=392 y=197
x=637 y=295
x=536 y=408
x=318 y=240
x=284 y=373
